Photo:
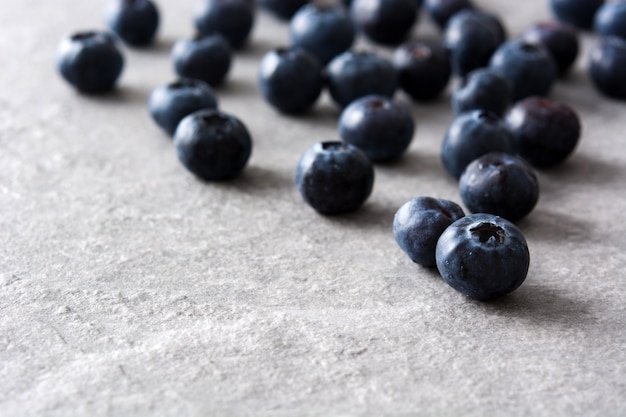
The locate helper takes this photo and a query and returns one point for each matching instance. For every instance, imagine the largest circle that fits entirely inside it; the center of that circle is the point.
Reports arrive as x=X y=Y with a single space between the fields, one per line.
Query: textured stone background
x=129 y=288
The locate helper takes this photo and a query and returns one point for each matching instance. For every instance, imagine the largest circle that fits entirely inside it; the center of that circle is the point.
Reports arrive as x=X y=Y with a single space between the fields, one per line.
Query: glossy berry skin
x=90 y=61
x=610 y=20
x=483 y=256
x=169 y=104
x=500 y=184
x=322 y=29
x=545 y=132
x=559 y=39
x=419 y=223
x=203 y=58
x=134 y=21
x=387 y=22
x=352 y=75
x=529 y=68
x=472 y=135
x=606 y=67
x=577 y=13
x=423 y=69
x=291 y=80
x=334 y=177
x=483 y=89
x=233 y=19
x=471 y=37
x=441 y=11
x=282 y=9
x=213 y=145
x=380 y=127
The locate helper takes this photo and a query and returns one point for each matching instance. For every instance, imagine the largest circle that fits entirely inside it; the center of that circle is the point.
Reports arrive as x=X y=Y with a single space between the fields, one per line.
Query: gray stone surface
x=129 y=288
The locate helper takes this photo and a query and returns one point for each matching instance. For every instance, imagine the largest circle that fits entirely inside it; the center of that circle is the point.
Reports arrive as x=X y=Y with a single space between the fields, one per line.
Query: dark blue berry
x=441 y=11
x=387 y=22
x=471 y=38
x=233 y=19
x=529 y=68
x=282 y=9
x=206 y=58
x=483 y=256
x=134 y=21
x=325 y=30
x=500 y=184
x=471 y=135
x=213 y=145
x=483 y=89
x=578 y=13
x=545 y=132
x=170 y=103
x=423 y=69
x=90 y=61
x=356 y=74
x=290 y=79
x=419 y=223
x=559 y=39
x=334 y=177
x=610 y=20
x=606 y=67
x=380 y=127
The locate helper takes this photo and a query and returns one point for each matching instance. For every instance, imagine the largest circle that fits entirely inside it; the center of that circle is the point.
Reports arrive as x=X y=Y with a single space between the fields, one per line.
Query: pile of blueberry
x=505 y=126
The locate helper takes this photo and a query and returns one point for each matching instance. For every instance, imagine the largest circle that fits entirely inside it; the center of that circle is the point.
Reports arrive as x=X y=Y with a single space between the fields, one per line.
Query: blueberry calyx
x=488 y=233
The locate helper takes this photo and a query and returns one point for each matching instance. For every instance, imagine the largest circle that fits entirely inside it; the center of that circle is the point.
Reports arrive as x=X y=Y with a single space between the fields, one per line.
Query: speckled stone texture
x=129 y=288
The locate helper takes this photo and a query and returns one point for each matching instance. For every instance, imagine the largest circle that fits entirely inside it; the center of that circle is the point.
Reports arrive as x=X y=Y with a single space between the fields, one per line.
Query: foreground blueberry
x=529 y=68
x=282 y=9
x=606 y=67
x=134 y=21
x=205 y=58
x=442 y=10
x=483 y=256
x=559 y=39
x=290 y=79
x=356 y=74
x=213 y=145
x=169 y=104
x=483 y=89
x=500 y=184
x=419 y=223
x=90 y=61
x=423 y=69
x=334 y=177
x=233 y=19
x=545 y=132
x=387 y=22
x=610 y=20
x=578 y=13
x=471 y=135
x=380 y=127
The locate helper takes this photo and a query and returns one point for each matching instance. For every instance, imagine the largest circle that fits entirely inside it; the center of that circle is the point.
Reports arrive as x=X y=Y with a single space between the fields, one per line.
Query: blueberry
x=423 y=69
x=440 y=11
x=134 y=21
x=90 y=61
x=483 y=89
x=290 y=79
x=334 y=177
x=545 y=132
x=233 y=19
x=169 y=104
x=500 y=184
x=388 y=22
x=380 y=127
x=471 y=135
x=419 y=223
x=483 y=256
x=610 y=20
x=356 y=74
x=606 y=67
x=282 y=9
x=578 y=13
x=323 y=29
x=213 y=145
x=471 y=38
x=559 y=39
x=529 y=68
x=205 y=58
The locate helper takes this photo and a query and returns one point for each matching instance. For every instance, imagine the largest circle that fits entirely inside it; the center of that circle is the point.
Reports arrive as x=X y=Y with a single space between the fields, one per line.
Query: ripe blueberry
x=282 y=9
x=387 y=22
x=134 y=21
x=559 y=39
x=233 y=19
x=610 y=20
x=483 y=89
x=606 y=67
x=440 y=11
x=578 y=13
x=204 y=58
x=423 y=69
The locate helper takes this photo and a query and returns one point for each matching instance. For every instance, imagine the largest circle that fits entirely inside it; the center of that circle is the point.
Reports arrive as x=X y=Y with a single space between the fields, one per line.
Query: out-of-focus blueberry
x=134 y=21
x=441 y=11
x=610 y=20
x=483 y=89
x=423 y=69
x=578 y=13
x=388 y=22
x=606 y=67
x=282 y=9
x=559 y=39
x=205 y=58
x=233 y=19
